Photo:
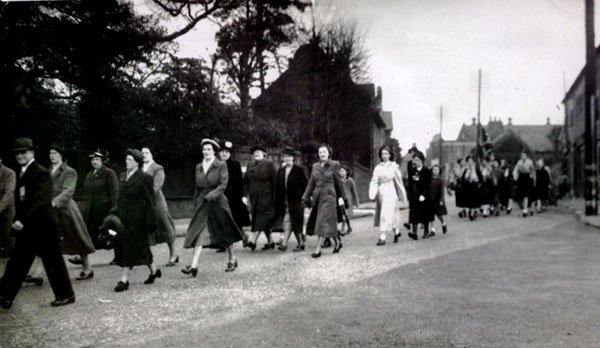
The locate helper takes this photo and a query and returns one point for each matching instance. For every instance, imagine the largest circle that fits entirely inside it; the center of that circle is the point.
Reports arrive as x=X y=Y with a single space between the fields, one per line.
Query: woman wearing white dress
x=388 y=190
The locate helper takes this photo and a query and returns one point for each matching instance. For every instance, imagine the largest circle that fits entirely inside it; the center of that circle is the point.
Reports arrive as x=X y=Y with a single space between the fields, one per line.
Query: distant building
x=507 y=142
x=318 y=102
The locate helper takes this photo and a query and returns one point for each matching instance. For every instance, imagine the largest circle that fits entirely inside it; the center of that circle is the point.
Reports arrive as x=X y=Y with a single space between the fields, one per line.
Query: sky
x=426 y=54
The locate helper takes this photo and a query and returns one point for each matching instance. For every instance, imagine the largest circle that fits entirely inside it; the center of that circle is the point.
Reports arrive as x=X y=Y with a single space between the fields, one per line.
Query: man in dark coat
x=289 y=213
x=35 y=231
x=7 y=208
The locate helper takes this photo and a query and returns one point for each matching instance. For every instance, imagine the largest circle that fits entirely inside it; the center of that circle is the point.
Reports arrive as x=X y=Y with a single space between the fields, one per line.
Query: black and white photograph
x=299 y=173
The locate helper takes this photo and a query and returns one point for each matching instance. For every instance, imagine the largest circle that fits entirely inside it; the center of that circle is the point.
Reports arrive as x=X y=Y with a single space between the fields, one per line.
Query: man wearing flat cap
x=35 y=231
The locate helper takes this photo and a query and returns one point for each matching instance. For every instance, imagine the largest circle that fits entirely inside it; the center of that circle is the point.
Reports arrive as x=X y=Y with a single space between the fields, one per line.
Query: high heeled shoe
x=121 y=286
x=268 y=246
x=173 y=263
x=251 y=245
x=299 y=248
x=337 y=248
x=152 y=277
x=315 y=255
x=84 y=276
x=190 y=270
x=231 y=266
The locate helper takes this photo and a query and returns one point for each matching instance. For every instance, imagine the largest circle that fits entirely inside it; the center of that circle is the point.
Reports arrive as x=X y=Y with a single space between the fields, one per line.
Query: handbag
x=111 y=231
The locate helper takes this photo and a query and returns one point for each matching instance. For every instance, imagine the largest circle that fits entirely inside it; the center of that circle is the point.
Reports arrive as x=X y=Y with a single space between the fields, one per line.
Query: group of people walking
x=128 y=213
x=492 y=185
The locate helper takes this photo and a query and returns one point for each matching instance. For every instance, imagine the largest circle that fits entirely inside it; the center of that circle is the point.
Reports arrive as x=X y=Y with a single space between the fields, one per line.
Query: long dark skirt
x=524 y=187
x=472 y=195
x=459 y=194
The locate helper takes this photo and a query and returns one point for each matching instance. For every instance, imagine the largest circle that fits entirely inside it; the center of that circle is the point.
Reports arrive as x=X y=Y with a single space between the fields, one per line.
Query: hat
x=289 y=151
x=57 y=148
x=212 y=142
x=136 y=154
x=258 y=147
x=420 y=155
x=22 y=144
x=98 y=153
x=227 y=145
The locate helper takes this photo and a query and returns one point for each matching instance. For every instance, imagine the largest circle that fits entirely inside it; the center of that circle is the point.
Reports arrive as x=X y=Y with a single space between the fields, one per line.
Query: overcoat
x=437 y=196
x=33 y=203
x=135 y=208
x=72 y=231
x=324 y=187
x=542 y=184
x=212 y=224
x=290 y=196
x=101 y=193
x=259 y=182
x=165 y=228
x=235 y=192
x=420 y=185
x=8 y=180
x=352 y=195
x=387 y=188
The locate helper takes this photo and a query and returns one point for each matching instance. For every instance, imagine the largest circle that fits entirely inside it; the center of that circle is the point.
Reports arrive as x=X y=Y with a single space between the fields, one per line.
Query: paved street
x=496 y=282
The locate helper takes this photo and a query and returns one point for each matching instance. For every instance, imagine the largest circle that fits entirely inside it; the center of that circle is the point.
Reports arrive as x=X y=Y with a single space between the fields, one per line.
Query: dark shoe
x=380 y=242
x=396 y=237
x=75 y=260
x=531 y=213
x=63 y=301
x=221 y=250
x=282 y=247
x=84 y=276
x=299 y=248
x=121 y=286
x=326 y=243
x=251 y=245
x=34 y=280
x=173 y=263
x=444 y=229
x=4 y=303
x=231 y=266
x=152 y=277
x=413 y=236
x=268 y=246
x=462 y=214
x=315 y=255
x=428 y=235
x=190 y=270
x=407 y=225
x=337 y=249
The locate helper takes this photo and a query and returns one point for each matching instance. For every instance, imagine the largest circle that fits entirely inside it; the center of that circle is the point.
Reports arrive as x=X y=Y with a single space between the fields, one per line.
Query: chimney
x=547 y=121
x=510 y=121
x=474 y=119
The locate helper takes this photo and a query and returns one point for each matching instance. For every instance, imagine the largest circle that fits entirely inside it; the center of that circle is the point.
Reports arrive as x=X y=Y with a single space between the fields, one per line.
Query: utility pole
x=590 y=191
x=441 y=162
x=479 y=115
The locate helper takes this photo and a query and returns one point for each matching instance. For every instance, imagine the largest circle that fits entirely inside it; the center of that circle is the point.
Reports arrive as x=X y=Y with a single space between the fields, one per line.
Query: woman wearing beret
x=421 y=209
x=165 y=229
x=259 y=183
x=324 y=192
x=73 y=233
x=212 y=224
x=101 y=189
x=388 y=190
x=135 y=209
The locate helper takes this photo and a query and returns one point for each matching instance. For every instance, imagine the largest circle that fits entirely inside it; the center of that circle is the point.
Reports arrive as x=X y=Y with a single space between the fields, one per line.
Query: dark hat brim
x=258 y=147
x=24 y=148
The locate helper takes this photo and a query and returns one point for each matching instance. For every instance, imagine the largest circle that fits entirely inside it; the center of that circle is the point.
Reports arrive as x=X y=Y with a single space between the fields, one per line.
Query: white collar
x=24 y=168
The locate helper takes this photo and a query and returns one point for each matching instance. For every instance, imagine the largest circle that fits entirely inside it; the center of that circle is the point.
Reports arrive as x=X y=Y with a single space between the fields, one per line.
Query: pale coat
x=165 y=229
x=387 y=189
x=72 y=231
x=324 y=187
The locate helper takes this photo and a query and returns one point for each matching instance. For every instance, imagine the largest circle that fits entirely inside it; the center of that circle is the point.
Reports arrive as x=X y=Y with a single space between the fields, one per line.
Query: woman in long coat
x=421 y=207
x=165 y=229
x=542 y=185
x=259 y=183
x=73 y=233
x=437 y=197
x=135 y=209
x=235 y=186
x=212 y=224
x=324 y=192
x=289 y=212
x=387 y=189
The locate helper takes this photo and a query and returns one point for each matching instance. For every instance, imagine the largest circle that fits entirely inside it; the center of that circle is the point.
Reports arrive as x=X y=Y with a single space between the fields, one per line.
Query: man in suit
x=7 y=209
x=35 y=231
x=291 y=183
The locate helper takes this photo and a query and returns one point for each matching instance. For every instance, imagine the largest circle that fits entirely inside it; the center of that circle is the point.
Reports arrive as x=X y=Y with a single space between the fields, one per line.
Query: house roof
x=535 y=136
x=387 y=119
